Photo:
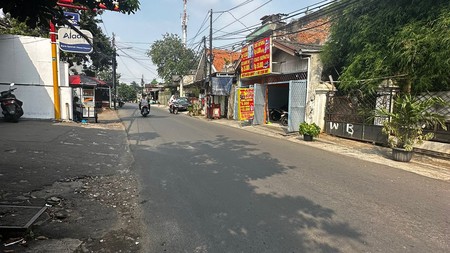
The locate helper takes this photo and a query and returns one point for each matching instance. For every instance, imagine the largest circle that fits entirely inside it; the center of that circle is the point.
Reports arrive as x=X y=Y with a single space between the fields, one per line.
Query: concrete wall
x=317 y=93
x=27 y=62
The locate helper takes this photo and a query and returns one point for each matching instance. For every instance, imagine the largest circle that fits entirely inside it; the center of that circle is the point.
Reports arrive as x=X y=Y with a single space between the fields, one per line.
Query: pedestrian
x=77 y=109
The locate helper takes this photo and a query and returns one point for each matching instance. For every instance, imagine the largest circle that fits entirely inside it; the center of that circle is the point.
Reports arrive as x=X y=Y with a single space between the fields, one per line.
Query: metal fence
x=350 y=114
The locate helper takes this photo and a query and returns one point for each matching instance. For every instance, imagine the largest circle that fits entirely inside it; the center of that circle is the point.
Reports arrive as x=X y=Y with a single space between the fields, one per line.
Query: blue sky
x=136 y=32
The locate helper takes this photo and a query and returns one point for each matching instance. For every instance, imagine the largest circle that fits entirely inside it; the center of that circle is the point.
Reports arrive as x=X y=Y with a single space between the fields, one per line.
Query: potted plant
x=406 y=122
x=308 y=130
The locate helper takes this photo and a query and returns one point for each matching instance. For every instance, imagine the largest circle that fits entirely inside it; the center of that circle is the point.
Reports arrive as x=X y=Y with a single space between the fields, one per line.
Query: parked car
x=183 y=103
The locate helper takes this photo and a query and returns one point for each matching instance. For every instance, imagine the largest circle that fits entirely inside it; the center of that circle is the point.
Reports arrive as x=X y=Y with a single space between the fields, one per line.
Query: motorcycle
x=173 y=108
x=279 y=114
x=121 y=102
x=11 y=106
x=145 y=110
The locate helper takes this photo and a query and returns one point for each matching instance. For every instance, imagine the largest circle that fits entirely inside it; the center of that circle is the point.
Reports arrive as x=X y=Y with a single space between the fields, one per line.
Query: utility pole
x=209 y=111
x=142 y=84
x=114 y=65
x=184 y=23
x=56 y=97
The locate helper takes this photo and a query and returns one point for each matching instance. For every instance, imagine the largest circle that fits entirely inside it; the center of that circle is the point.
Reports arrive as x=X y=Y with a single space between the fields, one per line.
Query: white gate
x=297 y=104
x=259 y=103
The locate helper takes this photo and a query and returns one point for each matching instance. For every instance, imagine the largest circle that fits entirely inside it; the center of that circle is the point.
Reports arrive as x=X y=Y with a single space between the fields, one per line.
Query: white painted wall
x=27 y=62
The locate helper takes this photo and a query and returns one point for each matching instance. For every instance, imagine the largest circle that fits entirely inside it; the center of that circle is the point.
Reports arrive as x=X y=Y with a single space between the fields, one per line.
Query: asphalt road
x=211 y=188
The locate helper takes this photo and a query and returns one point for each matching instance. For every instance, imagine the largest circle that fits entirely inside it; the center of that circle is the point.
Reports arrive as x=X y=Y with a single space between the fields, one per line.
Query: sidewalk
x=81 y=174
x=433 y=167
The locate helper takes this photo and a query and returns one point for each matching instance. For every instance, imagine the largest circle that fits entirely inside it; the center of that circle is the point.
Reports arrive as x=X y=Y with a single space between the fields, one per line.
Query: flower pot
x=401 y=155
x=307 y=137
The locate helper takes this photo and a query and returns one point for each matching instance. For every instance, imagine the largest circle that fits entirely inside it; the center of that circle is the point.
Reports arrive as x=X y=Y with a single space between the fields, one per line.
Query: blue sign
x=72 y=17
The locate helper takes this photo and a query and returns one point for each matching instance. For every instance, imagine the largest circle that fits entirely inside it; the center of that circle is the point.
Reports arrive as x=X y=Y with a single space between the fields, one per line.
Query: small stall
x=84 y=88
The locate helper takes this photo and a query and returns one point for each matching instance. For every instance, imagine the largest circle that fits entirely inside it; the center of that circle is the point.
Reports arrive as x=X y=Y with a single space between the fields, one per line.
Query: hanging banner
x=256 y=58
x=245 y=103
x=221 y=86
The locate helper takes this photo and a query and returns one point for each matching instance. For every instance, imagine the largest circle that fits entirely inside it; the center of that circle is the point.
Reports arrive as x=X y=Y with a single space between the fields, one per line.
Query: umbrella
x=83 y=80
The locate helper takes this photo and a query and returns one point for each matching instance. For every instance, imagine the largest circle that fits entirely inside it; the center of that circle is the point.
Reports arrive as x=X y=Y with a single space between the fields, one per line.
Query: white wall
x=27 y=61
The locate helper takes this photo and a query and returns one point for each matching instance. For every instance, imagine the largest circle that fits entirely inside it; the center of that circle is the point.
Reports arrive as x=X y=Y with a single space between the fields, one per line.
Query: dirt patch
x=97 y=214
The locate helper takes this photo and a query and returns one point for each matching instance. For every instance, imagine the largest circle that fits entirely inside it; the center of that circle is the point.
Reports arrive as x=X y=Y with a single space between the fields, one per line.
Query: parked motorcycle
x=11 y=106
x=279 y=115
x=145 y=110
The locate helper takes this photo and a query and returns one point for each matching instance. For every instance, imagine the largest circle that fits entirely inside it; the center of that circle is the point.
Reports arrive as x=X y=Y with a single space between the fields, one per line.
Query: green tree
x=405 y=39
x=10 y=25
x=127 y=92
x=39 y=13
x=106 y=75
x=171 y=57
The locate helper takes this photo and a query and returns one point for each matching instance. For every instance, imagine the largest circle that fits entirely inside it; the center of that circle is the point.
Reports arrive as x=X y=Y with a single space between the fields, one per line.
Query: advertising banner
x=245 y=103
x=256 y=58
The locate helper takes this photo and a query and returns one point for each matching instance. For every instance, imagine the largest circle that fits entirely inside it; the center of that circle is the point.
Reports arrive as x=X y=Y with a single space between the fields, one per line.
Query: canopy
x=83 y=80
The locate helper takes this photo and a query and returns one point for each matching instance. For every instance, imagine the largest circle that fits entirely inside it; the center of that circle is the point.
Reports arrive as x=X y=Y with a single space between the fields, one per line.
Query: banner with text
x=245 y=103
x=256 y=58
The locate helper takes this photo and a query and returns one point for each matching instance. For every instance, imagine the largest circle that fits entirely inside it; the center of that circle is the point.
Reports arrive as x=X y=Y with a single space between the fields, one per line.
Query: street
x=211 y=188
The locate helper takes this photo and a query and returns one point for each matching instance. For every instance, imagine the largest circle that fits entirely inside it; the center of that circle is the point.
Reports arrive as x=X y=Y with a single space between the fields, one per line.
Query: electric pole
x=114 y=70
x=184 y=23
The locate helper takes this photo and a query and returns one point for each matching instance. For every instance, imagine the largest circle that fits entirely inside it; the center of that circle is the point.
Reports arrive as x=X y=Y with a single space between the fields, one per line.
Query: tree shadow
x=220 y=208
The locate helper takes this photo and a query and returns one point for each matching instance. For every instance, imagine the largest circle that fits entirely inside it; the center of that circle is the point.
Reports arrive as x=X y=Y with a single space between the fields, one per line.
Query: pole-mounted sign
x=71 y=41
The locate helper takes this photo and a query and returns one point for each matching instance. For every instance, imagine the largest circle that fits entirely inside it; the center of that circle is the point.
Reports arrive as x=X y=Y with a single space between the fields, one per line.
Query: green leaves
x=40 y=12
x=171 y=57
x=406 y=39
x=408 y=119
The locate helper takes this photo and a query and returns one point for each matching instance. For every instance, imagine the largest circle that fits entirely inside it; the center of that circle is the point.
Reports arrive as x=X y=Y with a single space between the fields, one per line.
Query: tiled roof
x=223 y=57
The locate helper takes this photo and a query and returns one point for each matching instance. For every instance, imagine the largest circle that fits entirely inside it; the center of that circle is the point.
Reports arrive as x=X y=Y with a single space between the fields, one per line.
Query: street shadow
x=222 y=207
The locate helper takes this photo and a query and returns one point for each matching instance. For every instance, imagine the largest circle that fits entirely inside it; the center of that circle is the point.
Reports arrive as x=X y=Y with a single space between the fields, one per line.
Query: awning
x=83 y=80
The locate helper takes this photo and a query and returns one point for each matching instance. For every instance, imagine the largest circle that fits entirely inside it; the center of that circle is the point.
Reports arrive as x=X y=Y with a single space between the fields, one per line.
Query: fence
x=350 y=114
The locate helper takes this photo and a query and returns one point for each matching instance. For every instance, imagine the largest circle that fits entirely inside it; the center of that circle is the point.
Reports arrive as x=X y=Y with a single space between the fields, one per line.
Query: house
x=281 y=64
x=215 y=89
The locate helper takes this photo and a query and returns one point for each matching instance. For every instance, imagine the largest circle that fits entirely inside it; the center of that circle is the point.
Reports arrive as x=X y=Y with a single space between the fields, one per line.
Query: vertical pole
x=184 y=23
x=114 y=71
x=56 y=102
x=210 y=65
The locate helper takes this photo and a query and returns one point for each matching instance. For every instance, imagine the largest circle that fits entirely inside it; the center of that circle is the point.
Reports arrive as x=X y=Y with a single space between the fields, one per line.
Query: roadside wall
x=27 y=62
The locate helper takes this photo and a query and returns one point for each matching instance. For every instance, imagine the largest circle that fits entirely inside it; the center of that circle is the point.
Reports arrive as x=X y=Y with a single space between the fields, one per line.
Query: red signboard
x=256 y=58
x=245 y=102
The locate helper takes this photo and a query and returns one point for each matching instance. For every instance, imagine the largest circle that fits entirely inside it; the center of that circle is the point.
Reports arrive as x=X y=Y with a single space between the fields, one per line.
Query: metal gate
x=297 y=104
x=259 y=103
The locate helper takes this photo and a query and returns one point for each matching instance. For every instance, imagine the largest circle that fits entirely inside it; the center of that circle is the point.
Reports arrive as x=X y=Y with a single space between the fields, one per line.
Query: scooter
x=173 y=108
x=121 y=102
x=145 y=110
x=281 y=115
x=11 y=106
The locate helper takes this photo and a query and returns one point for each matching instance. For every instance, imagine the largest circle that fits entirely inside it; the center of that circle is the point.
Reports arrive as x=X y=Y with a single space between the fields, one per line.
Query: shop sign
x=245 y=103
x=71 y=41
x=256 y=58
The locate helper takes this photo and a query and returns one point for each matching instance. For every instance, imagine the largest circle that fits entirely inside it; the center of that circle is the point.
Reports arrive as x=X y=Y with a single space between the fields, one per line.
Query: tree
x=106 y=75
x=171 y=57
x=39 y=13
x=406 y=40
x=127 y=92
x=9 y=25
